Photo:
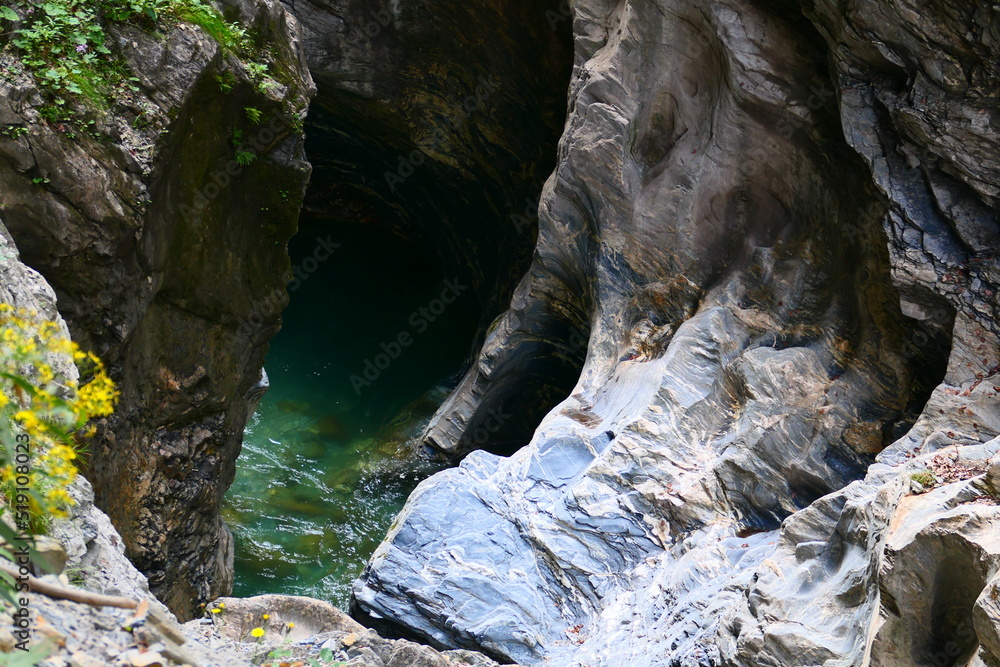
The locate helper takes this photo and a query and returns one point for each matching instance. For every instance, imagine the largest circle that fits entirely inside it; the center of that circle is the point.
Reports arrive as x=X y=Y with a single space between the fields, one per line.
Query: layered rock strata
x=773 y=231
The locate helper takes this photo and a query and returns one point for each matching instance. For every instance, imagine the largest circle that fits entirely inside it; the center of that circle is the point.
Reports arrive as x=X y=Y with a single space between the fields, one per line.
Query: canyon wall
x=169 y=261
x=772 y=231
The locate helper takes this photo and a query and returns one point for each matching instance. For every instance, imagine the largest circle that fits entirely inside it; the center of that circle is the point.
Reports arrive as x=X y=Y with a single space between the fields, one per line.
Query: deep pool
x=324 y=469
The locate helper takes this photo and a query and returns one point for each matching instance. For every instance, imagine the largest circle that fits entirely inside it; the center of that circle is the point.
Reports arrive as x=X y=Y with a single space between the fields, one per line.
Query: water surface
x=324 y=468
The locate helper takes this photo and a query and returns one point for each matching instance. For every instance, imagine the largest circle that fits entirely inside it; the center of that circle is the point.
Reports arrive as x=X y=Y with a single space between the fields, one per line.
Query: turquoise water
x=325 y=468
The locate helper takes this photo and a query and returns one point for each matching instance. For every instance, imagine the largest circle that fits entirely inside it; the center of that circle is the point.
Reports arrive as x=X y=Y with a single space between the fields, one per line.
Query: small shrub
x=63 y=43
x=245 y=158
x=43 y=413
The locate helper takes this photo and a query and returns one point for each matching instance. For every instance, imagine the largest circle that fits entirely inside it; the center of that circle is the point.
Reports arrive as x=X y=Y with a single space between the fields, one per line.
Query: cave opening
x=418 y=223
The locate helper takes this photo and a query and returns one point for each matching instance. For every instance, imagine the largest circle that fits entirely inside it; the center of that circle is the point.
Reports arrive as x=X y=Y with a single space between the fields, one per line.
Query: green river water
x=323 y=471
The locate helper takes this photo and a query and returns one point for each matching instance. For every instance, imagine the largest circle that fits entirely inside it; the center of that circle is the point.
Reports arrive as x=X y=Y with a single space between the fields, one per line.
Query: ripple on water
x=324 y=471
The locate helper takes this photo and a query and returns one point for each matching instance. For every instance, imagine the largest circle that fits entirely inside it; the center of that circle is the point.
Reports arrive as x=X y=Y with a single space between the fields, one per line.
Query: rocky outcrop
x=303 y=629
x=68 y=633
x=169 y=261
x=772 y=231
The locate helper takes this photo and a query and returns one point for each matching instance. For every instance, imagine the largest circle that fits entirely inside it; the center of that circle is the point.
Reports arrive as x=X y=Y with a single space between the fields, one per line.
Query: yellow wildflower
x=257 y=632
x=30 y=404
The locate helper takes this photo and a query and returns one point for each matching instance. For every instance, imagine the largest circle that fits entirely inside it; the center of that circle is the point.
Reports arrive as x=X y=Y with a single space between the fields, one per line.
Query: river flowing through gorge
x=615 y=333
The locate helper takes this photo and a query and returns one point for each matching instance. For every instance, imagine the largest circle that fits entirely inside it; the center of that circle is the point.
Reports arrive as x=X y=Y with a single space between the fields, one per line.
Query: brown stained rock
x=81 y=659
x=306 y=616
x=300 y=628
x=146 y=659
x=50 y=556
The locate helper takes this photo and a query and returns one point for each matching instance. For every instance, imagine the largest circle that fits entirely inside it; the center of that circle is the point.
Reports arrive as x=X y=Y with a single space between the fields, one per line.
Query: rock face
x=88 y=550
x=169 y=262
x=772 y=231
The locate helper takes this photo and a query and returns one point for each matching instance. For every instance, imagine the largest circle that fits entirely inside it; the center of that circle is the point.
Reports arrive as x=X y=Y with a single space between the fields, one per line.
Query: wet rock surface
x=767 y=235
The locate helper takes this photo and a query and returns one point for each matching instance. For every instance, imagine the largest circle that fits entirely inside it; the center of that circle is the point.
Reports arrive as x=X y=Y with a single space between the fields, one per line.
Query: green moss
x=924 y=478
x=229 y=35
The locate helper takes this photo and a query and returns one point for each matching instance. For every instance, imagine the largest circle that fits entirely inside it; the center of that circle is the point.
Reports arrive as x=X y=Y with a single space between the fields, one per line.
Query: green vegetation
x=49 y=412
x=43 y=418
x=226 y=81
x=924 y=478
x=64 y=43
x=245 y=158
x=14 y=131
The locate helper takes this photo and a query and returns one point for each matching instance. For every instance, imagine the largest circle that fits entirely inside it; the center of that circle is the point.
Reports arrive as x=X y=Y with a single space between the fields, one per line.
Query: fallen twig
x=71 y=594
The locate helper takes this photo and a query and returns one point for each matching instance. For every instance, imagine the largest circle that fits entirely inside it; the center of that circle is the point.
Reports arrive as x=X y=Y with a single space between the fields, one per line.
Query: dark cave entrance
x=419 y=221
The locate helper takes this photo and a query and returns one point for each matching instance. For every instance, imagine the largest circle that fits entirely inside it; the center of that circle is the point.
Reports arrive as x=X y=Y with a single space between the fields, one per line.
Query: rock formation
x=169 y=262
x=773 y=232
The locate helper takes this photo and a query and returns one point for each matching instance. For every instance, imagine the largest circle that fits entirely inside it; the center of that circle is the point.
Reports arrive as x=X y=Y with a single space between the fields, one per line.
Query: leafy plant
x=280 y=656
x=226 y=81
x=253 y=114
x=43 y=413
x=924 y=478
x=63 y=43
x=245 y=158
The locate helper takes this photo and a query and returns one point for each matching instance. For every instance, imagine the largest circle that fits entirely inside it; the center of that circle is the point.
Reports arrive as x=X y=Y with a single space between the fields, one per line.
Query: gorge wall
x=772 y=229
x=437 y=121
x=169 y=262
